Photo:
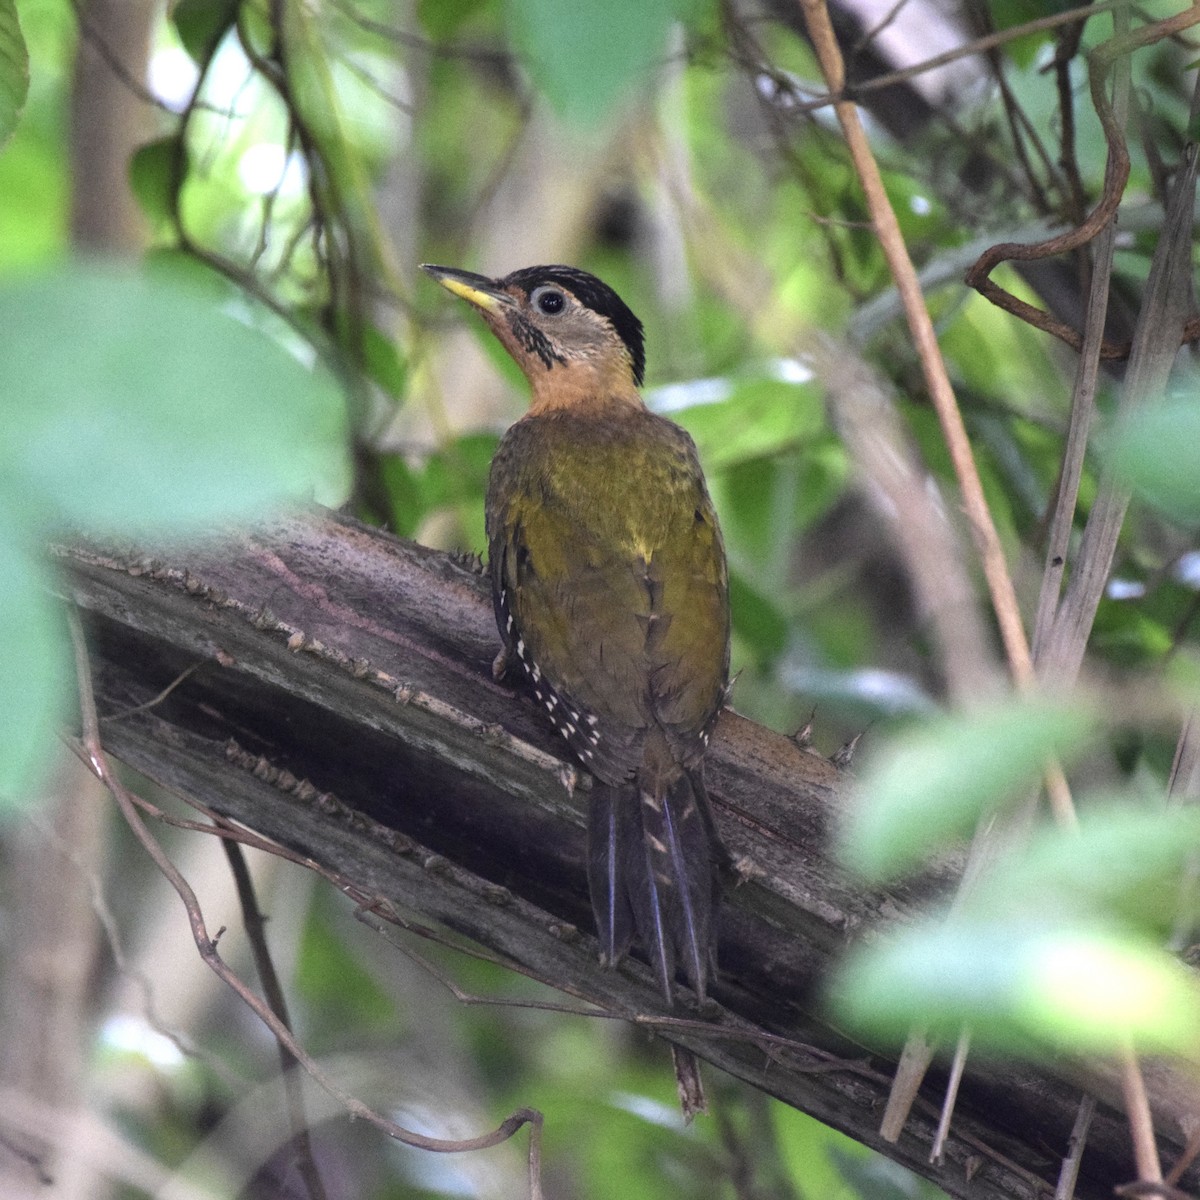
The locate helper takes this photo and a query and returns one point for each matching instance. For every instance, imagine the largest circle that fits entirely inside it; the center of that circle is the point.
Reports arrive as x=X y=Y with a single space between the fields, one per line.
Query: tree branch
x=343 y=706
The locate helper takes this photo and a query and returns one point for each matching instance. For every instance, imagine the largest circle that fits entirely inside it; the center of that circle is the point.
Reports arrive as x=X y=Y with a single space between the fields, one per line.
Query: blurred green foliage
x=1023 y=988
x=1157 y=453
x=165 y=416
x=933 y=784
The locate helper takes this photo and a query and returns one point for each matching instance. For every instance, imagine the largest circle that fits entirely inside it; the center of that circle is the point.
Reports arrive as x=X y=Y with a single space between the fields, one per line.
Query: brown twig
x=1116 y=175
x=887 y=228
x=1185 y=1160
x=1068 y=1173
x=128 y=79
x=869 y=35
x=1156 y=340
x=120 y=959
x=987 y=540
x=1083 y=396
x=1021 y=129
x=995 y=567
x=819 y=1061
x=966 y=50
x=377 y=914
x=1064 y=52
x=1141 y=1122
x=961 y=1051
x=256 y=933
x=97 y=761
x=123 y=713
x=1146 y=1190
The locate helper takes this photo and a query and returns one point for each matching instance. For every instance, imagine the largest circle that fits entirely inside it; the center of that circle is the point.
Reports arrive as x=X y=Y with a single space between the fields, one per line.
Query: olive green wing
x=572 y=612
x=689 y=648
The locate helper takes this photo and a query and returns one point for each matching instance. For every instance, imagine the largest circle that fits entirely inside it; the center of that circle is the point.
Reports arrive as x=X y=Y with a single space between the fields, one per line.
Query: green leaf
x=933 y=782
x=131 y=403
x=877 y=1177
x=1123 y=865
x=1155 y=451
x=442 y=19
x=383 y=363
x=14 y=70
x=459 y=471
x=1010 y=983
x=1007 y=13
x=762 y=416
x=33 y=665
x=201 y=24
x=407 y=502
x=757 y=620
x=584 y=58
x=153 y=171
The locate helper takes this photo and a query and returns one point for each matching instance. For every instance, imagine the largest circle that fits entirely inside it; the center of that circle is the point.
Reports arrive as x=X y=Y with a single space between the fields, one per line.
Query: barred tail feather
x=614 y=844
x=651 y=898
x=680 y=859
x=652 y=873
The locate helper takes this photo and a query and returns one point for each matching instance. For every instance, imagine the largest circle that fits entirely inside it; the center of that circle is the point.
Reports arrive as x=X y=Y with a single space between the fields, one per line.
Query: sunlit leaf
x=130 y=403
x=931 y=783
x=33 y=669
x=1155 y=451
x=1012 y=983
x=14 y=69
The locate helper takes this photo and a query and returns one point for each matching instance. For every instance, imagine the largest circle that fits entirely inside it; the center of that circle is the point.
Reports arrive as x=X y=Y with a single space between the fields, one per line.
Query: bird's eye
x=549 y=300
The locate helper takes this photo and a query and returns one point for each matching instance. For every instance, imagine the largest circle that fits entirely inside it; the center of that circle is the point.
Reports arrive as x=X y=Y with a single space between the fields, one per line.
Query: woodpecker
x=611 y=594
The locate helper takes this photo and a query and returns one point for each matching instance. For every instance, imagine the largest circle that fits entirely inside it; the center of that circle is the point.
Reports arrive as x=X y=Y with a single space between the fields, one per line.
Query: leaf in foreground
x=33 y=667
x=133 y=404
x=1126 y=864
x=933 y=782
x=1015 y=986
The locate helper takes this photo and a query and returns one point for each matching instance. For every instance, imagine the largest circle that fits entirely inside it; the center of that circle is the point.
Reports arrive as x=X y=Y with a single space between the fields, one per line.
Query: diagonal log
x=342 y=704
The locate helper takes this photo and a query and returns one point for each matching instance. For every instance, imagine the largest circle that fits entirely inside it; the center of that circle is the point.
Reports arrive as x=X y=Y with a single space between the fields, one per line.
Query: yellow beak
x=478 y=290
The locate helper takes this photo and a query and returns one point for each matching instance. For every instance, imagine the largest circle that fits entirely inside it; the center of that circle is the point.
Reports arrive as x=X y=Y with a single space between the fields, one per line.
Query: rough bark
x=344 y=706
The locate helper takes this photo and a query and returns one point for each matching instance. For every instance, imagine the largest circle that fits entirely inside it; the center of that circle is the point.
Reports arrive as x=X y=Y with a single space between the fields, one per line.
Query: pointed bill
x=479 y=290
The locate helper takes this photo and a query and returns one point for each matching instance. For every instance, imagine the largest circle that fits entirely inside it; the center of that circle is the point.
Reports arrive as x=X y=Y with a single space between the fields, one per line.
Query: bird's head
x=575 y=339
